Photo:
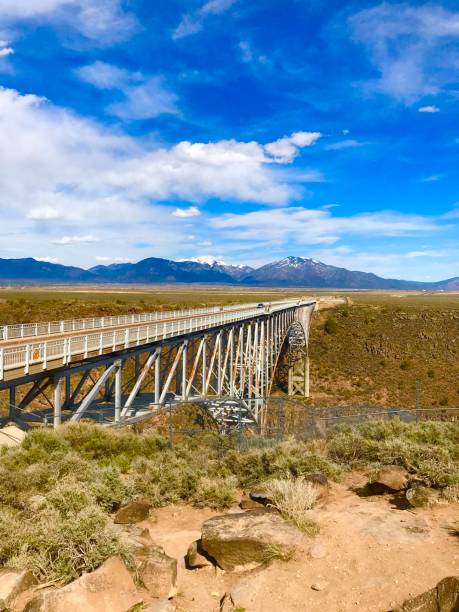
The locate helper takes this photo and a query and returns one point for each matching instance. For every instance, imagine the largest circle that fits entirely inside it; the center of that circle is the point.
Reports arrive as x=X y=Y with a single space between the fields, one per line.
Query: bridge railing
x=65 y=349
x=48 y=328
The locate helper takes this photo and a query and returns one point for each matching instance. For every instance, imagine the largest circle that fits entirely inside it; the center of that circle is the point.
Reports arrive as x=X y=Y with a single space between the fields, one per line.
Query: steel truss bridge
x=131 y=365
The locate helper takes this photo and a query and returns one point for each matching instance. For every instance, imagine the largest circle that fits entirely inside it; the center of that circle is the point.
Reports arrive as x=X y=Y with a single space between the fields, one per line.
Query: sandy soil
x=370 y=554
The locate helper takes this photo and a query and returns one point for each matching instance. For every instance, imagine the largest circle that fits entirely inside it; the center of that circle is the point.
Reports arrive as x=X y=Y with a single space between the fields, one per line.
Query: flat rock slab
x=243 y=541
x=110 y=587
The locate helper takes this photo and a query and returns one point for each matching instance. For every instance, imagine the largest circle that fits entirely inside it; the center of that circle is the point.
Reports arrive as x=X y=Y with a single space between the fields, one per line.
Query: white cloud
x=103 y=75
x=300 y=225
x=192 y=211
x=66 y=176
x=5 y=51
x=432 y=178
x=143 y=97
x=89 y=239
x=346 y=144
x=102 y=21
x=148 y=99
x=411 y=46
x=105 y=259
x=429 y=109
x=286 y=149
x=192 y=23
x=44 y=213
x=427 y=253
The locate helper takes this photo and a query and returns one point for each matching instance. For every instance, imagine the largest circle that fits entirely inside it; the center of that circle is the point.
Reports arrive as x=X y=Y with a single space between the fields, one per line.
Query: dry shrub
x=293 y=498
x=58 y=544
x=451 y=493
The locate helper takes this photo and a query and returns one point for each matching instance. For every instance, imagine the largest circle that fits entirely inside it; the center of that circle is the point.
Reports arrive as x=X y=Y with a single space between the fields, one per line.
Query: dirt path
x=371 y=554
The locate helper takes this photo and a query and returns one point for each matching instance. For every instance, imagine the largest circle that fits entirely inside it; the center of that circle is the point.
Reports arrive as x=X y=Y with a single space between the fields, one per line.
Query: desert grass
x=294 y=497
x=58 y=488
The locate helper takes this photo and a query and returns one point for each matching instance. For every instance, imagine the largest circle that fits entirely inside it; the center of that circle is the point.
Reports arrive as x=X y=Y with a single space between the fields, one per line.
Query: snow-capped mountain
x=287 y=272
x=306 y=272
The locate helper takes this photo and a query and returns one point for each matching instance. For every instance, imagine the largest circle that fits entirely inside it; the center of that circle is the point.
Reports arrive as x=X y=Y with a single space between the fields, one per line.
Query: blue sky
x=246 y=131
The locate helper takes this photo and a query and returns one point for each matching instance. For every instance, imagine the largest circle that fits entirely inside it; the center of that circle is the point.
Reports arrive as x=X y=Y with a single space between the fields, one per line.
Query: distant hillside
x=287 y=272
x=29 y=269
x=155 y=270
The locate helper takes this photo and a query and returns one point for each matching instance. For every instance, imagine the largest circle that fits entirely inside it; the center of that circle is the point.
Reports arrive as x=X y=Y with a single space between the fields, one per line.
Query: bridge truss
x=127 y=369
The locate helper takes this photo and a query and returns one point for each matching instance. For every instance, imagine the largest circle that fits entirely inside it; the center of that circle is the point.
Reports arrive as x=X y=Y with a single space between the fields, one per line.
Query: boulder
x=110 y=587
x=12 y=584
x=242 y=541
x=194 y=557
x=442 y=598
x=157 y=572
x=419 y=497
x=390 y=479
x=133 y=512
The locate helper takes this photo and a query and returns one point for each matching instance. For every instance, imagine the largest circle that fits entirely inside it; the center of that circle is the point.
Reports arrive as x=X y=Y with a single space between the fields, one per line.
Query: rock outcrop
x=243 y=541
x=110 y=587
x=442 y=598
x=157 y=572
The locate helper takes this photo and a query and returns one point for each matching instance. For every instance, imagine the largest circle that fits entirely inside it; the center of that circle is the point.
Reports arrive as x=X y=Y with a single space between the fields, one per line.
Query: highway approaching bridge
x=133 y=364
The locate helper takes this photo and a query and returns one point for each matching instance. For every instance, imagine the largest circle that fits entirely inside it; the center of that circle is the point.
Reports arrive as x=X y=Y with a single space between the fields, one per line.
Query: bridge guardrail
x=40 y=353
x=47 y=328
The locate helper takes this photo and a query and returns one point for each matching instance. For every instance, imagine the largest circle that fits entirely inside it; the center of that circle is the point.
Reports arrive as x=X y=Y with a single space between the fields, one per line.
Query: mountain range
x=287 y=272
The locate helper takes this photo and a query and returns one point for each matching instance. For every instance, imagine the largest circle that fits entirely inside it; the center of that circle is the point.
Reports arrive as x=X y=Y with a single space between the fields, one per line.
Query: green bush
x=331 y=326
x=217 y=493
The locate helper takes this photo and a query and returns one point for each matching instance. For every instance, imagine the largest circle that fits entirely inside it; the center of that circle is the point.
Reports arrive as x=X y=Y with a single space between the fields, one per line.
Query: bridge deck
x=28 y=355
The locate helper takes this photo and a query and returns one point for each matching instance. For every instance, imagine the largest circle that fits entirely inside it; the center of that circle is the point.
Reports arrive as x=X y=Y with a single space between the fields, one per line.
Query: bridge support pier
x=298 y=378
x=57 y=414
x=118 y=390
x=12 y=402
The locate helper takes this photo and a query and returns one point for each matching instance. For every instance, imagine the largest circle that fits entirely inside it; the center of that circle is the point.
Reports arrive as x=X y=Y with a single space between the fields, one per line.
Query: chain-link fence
x=280 y=418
